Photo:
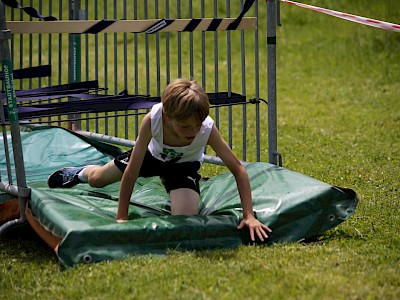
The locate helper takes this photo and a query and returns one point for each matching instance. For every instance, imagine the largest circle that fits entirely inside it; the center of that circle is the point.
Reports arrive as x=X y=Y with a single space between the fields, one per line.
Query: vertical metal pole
x=96 y=58
x=74 y=55
x=179 y=41
x=49 y=51
x=158 y=61
x=191 y=54
x=30 y=51
x=167 y=47
x=216 y=65
x=257 y=86
x=88 y=67
x=147 y=47
x=8 y=83
x=244 y=92
x=126 y=118
x=203 y=51
x=271 y=55
x=229 y=70
x=60 y=56
x=105 y=63
x=116 y=88
x=2 y=118
x=136 y=64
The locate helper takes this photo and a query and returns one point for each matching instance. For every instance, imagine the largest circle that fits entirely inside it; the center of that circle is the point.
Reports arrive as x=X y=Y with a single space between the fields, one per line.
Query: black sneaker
x=64 y=178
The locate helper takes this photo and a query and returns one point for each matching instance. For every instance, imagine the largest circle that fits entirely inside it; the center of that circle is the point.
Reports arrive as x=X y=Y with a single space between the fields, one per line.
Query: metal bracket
x=279 y=155
x=5 y=34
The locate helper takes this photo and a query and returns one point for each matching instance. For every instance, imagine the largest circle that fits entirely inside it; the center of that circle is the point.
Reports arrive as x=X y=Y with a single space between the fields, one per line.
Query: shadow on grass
x=334 y=235
x=22 y=243
x=218 y=254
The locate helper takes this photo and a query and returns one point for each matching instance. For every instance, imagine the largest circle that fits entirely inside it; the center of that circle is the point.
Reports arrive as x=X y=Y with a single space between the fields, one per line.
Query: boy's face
x=186 y=129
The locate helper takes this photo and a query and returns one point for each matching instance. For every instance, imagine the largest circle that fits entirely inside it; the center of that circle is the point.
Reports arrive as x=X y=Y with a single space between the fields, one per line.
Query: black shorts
x=173 y=175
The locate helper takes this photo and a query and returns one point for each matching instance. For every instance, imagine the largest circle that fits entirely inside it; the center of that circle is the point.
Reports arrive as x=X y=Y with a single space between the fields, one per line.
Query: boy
x=171 y=144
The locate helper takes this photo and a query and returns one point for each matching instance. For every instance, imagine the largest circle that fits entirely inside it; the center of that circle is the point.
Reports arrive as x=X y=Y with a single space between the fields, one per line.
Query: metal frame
x=20 y=190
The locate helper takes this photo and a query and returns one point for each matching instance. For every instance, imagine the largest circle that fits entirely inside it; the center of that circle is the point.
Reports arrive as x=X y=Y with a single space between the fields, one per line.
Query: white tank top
x=192 y=152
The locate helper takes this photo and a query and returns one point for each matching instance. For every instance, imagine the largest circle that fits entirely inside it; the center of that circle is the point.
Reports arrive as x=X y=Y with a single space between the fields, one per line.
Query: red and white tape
x=349 y=17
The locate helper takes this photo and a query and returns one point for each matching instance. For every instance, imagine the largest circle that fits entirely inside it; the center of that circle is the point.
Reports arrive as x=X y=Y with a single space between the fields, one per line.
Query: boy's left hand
x=255 y=226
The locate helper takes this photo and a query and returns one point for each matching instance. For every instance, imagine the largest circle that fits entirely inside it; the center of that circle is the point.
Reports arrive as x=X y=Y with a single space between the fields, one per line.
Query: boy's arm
x=132 y=170
x=222 y=149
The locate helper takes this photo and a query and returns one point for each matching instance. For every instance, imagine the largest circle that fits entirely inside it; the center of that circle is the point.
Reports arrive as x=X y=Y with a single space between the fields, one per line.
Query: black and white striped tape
x=29 y=10
x=147 y=26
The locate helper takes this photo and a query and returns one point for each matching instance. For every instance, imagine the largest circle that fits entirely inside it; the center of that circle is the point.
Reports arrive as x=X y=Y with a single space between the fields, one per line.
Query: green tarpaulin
x=295 y=206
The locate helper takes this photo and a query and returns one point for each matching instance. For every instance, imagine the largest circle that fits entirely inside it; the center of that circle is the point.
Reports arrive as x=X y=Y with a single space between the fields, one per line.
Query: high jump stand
x=21 y=189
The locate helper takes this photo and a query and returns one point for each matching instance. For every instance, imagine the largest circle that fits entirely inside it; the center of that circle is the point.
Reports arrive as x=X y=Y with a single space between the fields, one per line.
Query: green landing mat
x=293 y=205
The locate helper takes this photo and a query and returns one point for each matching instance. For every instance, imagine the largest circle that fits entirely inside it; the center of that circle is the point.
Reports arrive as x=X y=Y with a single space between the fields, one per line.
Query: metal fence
x=142 y=64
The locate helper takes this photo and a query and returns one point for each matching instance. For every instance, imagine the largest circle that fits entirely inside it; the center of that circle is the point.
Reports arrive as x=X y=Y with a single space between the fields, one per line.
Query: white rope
x=349 y=17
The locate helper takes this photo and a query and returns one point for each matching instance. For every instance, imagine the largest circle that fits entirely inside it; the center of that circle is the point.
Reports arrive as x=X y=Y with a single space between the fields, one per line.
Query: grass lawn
x=339 y=122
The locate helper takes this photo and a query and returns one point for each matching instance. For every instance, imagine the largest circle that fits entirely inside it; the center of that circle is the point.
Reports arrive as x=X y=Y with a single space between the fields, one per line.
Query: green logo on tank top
x=171 y=154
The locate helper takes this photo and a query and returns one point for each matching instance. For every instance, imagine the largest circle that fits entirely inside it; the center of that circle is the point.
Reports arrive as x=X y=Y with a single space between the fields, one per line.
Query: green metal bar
x=74 y=55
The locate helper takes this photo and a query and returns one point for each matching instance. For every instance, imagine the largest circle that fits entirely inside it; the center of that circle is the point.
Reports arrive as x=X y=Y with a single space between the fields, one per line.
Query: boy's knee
x=102 y=177
x=96 y=181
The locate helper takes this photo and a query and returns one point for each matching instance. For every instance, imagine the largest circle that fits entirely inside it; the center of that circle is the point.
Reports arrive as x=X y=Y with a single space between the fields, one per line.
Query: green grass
x=339 y=122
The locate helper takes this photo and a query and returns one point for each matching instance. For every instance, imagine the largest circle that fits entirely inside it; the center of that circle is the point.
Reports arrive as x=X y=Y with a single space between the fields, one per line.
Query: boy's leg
x=96 y=176
x=100 y=176
x=184 y=201
x=65 y=177
x=181 y=180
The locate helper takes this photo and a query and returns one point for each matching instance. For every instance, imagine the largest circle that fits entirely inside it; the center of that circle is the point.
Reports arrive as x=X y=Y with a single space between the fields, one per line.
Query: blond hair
x=184 y=98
